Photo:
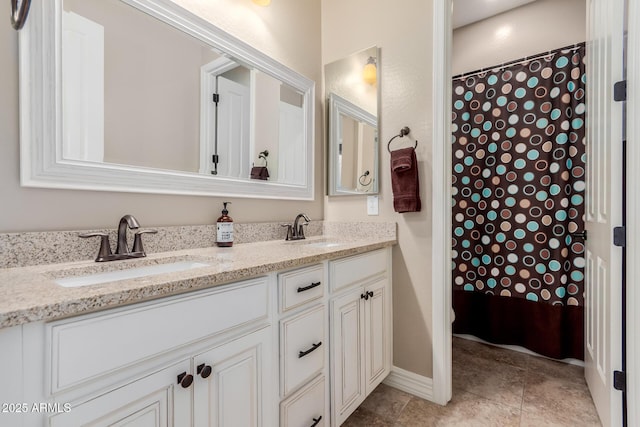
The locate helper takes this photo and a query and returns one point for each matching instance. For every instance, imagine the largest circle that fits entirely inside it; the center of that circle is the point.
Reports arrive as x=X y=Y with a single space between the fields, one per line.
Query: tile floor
x=491 y=387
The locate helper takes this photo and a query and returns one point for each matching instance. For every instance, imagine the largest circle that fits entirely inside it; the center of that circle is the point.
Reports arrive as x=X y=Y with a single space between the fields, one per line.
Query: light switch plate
x=372 y=205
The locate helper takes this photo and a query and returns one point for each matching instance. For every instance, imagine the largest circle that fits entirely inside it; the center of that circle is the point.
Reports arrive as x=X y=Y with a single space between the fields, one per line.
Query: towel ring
x=263 y=155
x=404 y=131
x=363 y=177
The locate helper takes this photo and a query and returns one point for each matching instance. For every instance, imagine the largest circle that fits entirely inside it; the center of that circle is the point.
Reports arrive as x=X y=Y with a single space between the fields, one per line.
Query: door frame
x=633 y=206
x=441 y=224
x=441 y=187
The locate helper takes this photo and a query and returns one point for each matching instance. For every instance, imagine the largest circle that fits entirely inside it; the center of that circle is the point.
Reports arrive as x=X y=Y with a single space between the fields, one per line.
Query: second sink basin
x=131 y=273
x=318 y=243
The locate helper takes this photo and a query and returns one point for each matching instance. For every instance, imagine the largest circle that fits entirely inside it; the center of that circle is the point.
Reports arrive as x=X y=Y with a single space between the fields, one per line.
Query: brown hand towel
x=404 y=180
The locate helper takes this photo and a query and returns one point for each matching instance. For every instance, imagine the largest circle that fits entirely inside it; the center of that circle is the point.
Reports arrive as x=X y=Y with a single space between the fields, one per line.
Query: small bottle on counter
x=224 y=228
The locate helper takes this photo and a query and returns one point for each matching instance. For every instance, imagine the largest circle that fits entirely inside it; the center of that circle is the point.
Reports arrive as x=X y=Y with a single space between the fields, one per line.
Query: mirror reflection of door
x=83 y=78
x=356 y=157
x=231 y=143
x=131 y=97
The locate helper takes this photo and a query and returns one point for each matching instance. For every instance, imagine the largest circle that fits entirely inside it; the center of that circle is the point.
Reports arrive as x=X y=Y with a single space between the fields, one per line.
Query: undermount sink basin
x=323 y=244
x=317 y=243
x=131 y=273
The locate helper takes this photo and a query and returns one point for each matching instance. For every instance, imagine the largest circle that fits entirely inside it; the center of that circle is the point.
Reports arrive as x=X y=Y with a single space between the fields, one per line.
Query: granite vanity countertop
x=29 y=294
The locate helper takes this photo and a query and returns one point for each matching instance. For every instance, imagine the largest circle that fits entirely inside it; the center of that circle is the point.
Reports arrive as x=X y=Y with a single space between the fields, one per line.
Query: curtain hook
x=19 y=14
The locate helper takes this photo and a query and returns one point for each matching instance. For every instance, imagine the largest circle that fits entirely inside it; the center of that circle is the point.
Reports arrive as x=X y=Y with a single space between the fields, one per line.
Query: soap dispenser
x=224 y=228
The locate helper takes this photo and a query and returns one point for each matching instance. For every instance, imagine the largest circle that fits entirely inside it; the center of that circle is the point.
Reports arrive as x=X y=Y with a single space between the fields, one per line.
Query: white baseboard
x=410 y=382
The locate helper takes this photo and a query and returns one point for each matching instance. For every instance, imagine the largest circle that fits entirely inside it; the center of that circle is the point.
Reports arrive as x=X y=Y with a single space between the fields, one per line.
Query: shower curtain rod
x=518 y=61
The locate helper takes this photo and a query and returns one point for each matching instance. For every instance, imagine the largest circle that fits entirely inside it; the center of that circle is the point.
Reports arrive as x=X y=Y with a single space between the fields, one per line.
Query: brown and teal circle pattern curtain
x=518 y=200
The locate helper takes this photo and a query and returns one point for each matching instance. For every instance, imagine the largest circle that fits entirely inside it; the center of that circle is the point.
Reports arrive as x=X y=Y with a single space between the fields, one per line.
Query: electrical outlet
x=372 y=205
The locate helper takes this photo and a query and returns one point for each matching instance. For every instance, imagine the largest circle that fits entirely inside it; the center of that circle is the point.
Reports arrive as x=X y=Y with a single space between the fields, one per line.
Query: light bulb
x=262 y=2
x=370 y=72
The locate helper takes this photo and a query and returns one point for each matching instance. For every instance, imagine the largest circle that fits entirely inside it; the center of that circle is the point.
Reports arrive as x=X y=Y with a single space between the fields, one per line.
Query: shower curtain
x=518 y=203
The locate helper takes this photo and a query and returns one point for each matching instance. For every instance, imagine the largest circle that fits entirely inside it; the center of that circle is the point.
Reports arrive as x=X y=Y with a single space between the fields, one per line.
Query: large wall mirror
x=142 y=95
x=351 y=85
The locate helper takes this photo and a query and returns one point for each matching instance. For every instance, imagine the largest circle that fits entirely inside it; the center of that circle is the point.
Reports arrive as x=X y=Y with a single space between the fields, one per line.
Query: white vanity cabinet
x=295 y=348
x=361 y=329
x=232 y=385
x=200 y=359
x=225 y=386
x=154 y=400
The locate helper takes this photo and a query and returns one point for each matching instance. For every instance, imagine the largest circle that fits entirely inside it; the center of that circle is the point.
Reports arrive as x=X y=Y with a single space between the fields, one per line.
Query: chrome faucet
x=122 y=249
x=295 y=231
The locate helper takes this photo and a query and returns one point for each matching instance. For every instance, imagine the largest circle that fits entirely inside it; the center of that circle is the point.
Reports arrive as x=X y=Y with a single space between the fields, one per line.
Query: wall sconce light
x=370 y=71
x=262 y=2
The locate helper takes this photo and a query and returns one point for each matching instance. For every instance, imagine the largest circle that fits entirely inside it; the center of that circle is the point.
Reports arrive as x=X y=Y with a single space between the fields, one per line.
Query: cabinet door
x=377 y=334
x=233 y=385
x=153 y=401
x=347 y=350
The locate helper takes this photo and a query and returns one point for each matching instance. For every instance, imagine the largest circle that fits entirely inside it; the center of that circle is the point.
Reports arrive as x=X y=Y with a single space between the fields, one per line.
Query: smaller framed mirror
x=352 y=87
x=353 y=143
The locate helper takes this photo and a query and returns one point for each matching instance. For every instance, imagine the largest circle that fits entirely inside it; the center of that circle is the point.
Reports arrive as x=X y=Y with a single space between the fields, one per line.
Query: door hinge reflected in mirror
x=215 y=160
x=216 y=98
x=620 y=236
x=620 y=91
x=620 y=380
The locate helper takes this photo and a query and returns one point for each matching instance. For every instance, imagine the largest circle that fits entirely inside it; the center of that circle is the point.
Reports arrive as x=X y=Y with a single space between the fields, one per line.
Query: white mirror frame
x=41 y=162
x=339 y=106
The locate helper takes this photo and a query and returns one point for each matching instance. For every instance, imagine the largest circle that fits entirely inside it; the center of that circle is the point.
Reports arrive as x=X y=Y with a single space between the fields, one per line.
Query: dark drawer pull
x=311 y=286
x=316 y=421
x=313 y=347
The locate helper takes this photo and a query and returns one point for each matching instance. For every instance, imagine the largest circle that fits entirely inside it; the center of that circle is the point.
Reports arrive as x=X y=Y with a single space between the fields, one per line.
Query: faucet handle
x=105 y=248
x=289 y=231
x=301 y=229
x=137 y=239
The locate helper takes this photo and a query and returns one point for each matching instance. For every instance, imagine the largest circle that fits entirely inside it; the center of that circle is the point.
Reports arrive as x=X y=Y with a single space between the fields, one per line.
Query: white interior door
x=603 y=298
x=290 y=145
x=82 y=88
x=233 y=129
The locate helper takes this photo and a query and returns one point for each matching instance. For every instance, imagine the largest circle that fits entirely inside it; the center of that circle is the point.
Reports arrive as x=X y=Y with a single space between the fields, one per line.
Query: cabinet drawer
x=347 y=271
x=302 y=347
x=306 y=408
x=88 y=347
x=300 y=286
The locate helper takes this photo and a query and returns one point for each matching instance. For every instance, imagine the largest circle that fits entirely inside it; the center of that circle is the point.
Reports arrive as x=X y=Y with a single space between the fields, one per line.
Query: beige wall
x=404 y=37
x=528 y=30
x=267 y=29
x=344 y=78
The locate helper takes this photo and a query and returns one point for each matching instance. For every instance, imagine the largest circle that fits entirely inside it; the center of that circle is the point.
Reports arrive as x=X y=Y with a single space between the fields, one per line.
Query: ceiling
x=466 y=12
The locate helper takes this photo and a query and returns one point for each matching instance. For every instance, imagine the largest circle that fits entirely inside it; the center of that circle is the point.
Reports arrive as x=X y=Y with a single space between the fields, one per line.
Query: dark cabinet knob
x=185 y=380
x=316 y=421
x=370 y=293
x=364 y=296
x=204 y=370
